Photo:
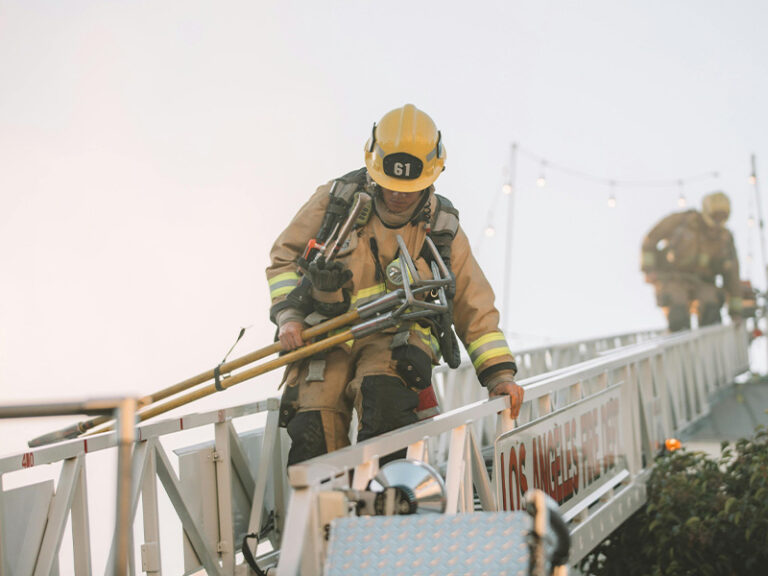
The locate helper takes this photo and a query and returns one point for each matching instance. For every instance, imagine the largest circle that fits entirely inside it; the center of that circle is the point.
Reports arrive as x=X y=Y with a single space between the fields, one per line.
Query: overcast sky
x=150 y=152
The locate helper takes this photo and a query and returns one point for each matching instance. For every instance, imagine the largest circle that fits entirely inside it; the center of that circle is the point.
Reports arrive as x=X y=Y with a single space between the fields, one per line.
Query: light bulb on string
x=507 y=188
x=681 y=201
x=541 y=181
x=612 y=195
x=490 y=231
x=752 y=179
x=751 y=221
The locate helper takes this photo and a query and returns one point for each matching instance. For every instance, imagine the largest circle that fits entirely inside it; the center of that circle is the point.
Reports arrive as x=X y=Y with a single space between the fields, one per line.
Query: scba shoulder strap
x=442 y=228
x=343 y=193
x=342 y=196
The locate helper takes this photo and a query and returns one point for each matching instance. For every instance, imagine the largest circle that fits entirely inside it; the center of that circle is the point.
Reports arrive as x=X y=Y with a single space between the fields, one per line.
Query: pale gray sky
x=151 y=151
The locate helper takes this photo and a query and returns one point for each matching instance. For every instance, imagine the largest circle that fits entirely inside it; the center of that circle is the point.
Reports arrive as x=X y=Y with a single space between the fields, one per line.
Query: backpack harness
x=441 y=228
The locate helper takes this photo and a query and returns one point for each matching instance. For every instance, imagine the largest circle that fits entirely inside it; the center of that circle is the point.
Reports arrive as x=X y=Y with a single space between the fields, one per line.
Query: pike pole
x=222 y=370
x=387 y=311
x=355 y=333
x=362 y=202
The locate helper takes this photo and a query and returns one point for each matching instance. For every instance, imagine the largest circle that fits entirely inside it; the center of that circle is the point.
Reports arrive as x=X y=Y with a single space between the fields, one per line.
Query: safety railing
x=460 y=387
x=588 y=436
x=236 y=484
x=71 y=495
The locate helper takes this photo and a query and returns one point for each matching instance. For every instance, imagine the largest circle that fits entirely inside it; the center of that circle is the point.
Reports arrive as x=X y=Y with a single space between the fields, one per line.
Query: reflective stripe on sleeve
x=489 y=346
x=367 y=295
x=282 y=284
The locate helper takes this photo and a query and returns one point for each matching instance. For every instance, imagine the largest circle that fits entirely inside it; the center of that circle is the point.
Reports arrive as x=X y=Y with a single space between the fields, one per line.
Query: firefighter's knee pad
x=413 y=365
x=307 y=437
x=387 y=404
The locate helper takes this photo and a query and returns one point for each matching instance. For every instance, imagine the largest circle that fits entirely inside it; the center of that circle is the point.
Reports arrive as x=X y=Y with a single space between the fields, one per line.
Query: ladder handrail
x=695 y=364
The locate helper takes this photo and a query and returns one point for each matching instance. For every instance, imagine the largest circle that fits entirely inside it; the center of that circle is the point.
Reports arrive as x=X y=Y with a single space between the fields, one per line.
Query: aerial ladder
x=576 y=460
x=595 y=415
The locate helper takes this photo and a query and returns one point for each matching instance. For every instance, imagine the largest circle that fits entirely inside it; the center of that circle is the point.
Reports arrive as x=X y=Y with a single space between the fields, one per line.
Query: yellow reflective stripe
x=283 y=277
x=281 y=291
x=282 y=284
x=435 y=345
x=425 y=333
x=493 y=336
x=368 y=292
x=477 y=362
x=419 y=328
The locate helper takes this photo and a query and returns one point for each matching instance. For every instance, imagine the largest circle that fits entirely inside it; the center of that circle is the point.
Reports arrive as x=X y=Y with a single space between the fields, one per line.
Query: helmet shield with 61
x=405 y=152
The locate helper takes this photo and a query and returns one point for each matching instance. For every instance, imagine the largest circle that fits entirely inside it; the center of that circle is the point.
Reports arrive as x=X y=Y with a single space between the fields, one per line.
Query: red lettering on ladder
x=514 y=474
x=503 y=476
x=514 y=481
x=521 y=478
x=28 y=460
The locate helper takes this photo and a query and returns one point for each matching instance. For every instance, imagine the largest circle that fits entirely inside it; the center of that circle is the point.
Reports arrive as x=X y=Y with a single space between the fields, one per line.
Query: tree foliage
x=703 y=517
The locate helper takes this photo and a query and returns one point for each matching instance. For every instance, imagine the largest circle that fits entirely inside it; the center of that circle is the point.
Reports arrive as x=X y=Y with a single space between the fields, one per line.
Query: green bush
x=703 y=517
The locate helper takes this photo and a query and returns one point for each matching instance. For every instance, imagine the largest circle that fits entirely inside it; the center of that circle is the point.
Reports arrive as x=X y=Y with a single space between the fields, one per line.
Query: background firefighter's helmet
x=405 y=152
x=716 y=208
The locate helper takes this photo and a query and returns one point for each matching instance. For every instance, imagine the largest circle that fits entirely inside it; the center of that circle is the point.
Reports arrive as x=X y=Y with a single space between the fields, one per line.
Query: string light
x=507 y=187
x=546 y=164
x=751 y=221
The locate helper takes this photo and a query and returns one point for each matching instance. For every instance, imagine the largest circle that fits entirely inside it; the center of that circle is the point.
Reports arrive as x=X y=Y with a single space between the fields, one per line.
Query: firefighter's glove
x=515 y=393
x=328 y=277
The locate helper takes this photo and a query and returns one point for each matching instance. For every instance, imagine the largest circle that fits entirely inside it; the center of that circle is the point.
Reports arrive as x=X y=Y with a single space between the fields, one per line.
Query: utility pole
x=758 y=202
x=509 y=190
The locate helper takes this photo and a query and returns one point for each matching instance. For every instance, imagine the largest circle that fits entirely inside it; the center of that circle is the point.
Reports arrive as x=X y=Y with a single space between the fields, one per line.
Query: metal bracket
x=150 y=558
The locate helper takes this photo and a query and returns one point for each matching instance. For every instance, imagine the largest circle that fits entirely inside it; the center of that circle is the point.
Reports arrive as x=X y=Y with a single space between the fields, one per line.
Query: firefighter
x=691 y=260
x=386 y=376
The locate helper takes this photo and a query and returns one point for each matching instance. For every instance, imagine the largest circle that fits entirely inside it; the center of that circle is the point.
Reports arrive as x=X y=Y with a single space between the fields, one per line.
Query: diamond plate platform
x=482 y=543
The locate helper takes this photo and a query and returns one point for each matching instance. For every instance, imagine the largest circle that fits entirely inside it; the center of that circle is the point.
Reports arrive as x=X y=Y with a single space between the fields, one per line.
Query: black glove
x=328 y=277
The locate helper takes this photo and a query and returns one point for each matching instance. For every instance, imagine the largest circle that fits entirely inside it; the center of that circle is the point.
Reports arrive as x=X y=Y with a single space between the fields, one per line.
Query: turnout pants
x=683 y=295
x=372 y=376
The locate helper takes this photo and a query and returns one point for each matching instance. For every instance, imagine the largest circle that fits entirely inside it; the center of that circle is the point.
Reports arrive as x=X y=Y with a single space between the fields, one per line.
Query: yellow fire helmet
x=405 y=152
x=716 y=208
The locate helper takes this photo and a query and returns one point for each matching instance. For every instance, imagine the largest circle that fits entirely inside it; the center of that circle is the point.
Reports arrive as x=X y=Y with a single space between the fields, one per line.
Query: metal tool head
x=414 y=284
x=423 y=485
